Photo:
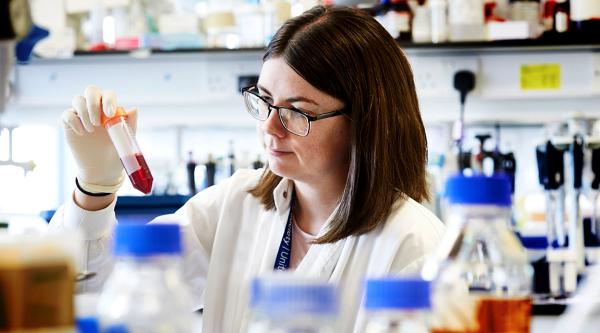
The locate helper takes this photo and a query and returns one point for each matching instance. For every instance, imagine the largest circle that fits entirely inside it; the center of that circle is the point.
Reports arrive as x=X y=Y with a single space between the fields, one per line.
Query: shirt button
x=285 y=195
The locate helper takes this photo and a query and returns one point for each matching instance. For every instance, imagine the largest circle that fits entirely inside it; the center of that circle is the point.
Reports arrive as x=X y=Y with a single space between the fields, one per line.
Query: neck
x=315 y=203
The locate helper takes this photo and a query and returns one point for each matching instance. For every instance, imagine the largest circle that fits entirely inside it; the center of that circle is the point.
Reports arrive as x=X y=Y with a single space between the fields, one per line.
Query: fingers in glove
x=132 y=116
x=93 y=97
x=80 y=106
x=109 y=102
x=72 y=121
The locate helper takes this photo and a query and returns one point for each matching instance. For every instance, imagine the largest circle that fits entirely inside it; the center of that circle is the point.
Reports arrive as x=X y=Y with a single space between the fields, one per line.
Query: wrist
x=92 y=203
x=92 y=187
x=85 y=191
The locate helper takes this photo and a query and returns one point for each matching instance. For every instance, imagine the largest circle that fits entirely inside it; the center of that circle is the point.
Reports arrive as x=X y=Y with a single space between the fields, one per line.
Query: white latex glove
x=100 y=169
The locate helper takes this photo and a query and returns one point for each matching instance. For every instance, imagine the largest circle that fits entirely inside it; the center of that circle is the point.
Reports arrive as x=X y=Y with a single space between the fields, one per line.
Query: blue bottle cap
x=397 y=293
x=282 y=297
x=479 y=190
x=142 y=240
x=87 y=325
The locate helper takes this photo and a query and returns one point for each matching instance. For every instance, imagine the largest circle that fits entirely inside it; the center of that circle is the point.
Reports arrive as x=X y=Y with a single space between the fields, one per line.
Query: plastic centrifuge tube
x=128 y=150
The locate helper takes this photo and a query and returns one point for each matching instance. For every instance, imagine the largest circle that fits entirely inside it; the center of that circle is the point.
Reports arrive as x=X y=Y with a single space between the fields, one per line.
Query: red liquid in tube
x=141 y=179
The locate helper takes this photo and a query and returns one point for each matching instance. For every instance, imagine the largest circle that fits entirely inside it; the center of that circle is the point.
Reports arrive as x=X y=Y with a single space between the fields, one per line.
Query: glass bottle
x=482 y=278
x=145 y=291
x=397 y=305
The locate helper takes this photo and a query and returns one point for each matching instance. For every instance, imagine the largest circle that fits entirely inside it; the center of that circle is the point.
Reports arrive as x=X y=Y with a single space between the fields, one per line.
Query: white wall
x=191 y=102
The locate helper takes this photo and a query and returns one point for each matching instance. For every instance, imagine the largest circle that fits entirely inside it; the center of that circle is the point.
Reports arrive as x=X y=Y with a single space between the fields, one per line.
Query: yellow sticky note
x=540 y=77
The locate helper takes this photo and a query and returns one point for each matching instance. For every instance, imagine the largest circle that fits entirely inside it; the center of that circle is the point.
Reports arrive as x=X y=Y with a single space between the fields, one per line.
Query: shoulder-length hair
x=350 y=56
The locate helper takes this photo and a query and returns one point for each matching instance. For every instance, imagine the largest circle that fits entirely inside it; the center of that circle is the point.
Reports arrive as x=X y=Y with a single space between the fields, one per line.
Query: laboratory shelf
x=519 y=45
x=516 y=46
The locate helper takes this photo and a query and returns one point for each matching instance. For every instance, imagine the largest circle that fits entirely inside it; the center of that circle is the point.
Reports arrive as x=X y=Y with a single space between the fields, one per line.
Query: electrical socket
x=217 y=83
x=434 y=75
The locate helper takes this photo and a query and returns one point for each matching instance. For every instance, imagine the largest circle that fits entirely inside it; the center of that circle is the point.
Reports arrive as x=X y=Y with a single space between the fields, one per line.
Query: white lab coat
x=229 y=238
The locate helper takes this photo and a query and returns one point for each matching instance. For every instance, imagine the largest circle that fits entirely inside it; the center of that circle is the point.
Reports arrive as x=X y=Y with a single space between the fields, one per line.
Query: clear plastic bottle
x=466 y=19
x=284 y=303
x=397 y=305
x=483 y=280
x=145 y=292
x=439 y=20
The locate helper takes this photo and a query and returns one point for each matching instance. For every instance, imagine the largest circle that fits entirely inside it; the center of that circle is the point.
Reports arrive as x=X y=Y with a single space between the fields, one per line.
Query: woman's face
x=325 y=151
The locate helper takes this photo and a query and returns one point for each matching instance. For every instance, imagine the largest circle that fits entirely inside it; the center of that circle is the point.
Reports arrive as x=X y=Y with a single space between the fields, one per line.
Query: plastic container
x=221 y=30
x=439 y=20
x=128 y=150
x=466 y=19
x=146 y=292
x=284 y=303
x=397 y=305
x=482 y=278
x=421 y=29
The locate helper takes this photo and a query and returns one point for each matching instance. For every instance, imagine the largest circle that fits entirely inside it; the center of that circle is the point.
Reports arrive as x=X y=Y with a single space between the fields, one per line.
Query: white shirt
x=229 y=238
x=301 y=242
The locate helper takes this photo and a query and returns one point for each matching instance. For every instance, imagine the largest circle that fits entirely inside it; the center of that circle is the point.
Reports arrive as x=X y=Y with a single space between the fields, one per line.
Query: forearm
x=91 y=203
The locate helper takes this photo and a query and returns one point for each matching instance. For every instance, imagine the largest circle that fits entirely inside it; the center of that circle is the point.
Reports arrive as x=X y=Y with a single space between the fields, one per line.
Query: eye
x=266 y=97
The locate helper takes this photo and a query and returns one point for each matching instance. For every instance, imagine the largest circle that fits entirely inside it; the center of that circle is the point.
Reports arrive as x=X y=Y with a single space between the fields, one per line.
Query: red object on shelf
x=127 y=43
x=98 y=47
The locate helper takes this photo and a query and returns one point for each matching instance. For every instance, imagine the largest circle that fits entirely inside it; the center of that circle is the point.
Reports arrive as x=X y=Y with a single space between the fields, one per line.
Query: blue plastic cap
x=479 y=190
x=142 y=240
x=397 y=293
x=279 y=297
x=87 y=325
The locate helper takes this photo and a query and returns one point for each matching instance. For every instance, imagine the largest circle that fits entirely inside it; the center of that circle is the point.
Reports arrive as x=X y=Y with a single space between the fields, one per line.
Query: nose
x=273 y=125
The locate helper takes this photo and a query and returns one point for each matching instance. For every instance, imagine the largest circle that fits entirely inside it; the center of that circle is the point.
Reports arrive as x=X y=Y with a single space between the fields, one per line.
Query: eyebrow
x=291 y=99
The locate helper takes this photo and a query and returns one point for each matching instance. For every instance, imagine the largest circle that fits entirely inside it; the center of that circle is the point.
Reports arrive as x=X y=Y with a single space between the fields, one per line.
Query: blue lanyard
x=282 y=261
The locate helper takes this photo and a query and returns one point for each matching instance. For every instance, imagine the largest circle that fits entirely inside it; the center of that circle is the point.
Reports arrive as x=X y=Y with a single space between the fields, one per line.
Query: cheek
x=334 y=146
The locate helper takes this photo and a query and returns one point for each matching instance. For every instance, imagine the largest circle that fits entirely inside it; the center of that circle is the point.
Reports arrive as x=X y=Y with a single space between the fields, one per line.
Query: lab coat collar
x=282 y=196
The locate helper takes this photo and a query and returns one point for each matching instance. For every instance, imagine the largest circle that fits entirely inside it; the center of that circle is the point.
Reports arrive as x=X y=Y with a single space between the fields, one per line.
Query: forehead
x=282 y=81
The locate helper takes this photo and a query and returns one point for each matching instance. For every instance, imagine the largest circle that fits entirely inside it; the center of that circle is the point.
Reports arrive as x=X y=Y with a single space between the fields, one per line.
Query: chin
x=281 y=170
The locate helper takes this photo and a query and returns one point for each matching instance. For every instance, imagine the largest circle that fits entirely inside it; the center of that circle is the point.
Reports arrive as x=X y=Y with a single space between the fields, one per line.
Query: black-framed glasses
x=293 y=120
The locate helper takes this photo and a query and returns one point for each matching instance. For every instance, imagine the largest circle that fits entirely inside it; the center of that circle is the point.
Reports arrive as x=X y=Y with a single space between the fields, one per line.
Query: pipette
x=128 y=150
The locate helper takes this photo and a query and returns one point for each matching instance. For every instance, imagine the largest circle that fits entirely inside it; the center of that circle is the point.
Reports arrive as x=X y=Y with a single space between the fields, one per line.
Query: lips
x=277 y=152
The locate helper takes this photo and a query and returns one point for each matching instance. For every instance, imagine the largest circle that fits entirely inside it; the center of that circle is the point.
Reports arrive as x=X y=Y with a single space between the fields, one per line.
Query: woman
x=339 y=119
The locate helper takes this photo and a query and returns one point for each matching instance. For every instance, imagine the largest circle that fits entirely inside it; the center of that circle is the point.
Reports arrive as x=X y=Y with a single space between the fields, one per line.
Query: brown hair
x=350 y=56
